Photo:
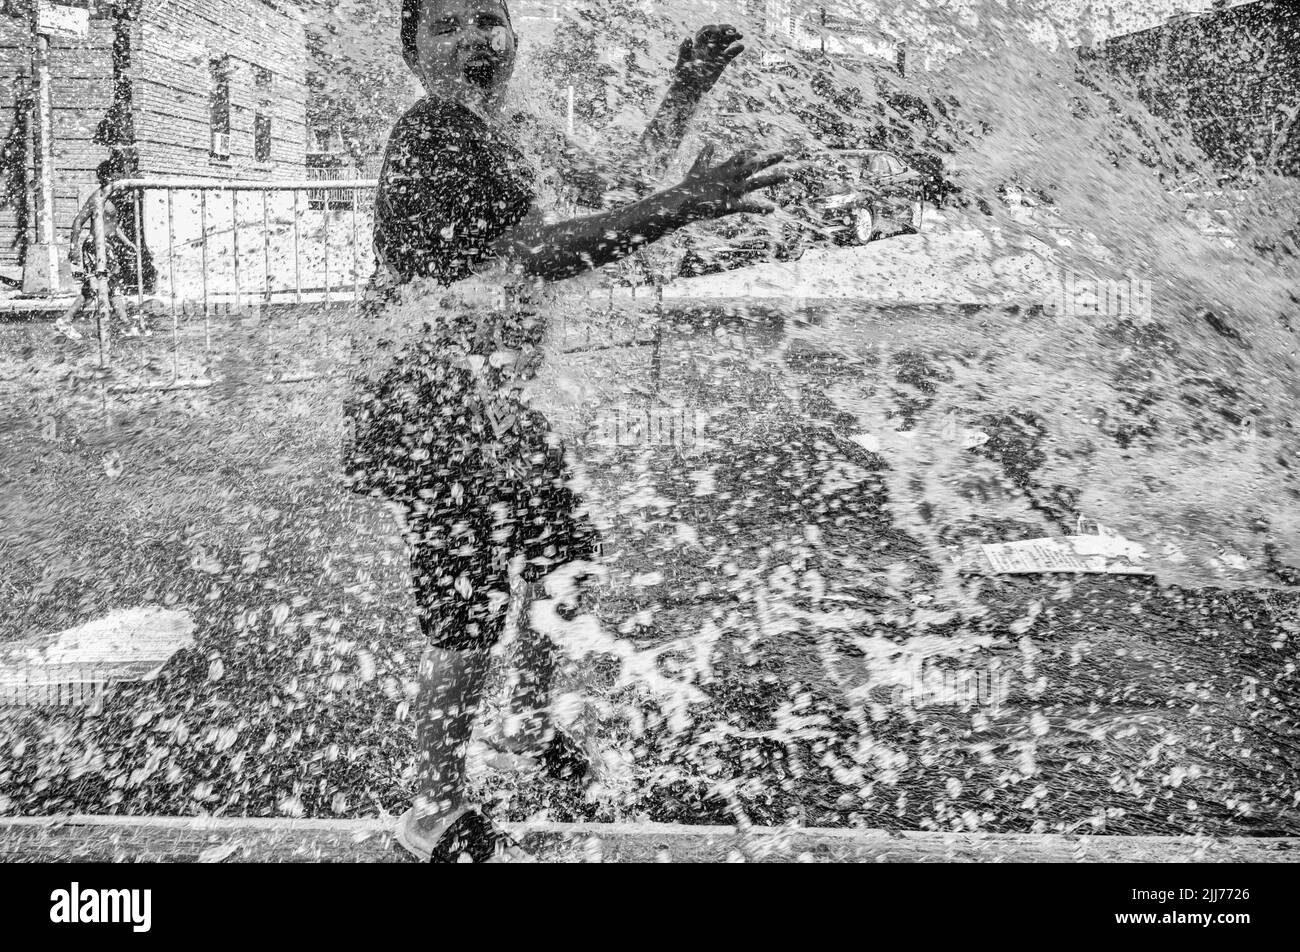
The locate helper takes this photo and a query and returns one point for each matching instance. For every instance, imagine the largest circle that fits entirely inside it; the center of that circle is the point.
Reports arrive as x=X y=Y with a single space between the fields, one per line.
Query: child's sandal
x=475 y=838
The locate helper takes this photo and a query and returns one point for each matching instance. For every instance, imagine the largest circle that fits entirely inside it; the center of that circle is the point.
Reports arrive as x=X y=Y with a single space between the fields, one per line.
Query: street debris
x=1098 y=552
x=220 y=853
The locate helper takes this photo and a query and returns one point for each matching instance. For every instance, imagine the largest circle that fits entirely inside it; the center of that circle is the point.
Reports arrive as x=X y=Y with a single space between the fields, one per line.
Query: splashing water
x=788 y=630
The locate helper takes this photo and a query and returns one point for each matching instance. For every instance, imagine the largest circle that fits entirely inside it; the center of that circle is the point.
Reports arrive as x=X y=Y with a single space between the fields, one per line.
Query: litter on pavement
x=1094 y=550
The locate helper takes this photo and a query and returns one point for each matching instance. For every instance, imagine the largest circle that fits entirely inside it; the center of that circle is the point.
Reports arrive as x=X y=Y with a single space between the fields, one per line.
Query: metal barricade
x=66 y=685
x=338 y=195
x=248 y=245
x=223 y=256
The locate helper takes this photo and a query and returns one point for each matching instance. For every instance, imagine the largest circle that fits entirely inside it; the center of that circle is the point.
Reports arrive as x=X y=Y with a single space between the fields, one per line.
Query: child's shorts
x=482 y=479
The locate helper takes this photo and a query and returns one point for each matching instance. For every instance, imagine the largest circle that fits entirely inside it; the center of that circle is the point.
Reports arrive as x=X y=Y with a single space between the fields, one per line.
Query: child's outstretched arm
x=568 y=248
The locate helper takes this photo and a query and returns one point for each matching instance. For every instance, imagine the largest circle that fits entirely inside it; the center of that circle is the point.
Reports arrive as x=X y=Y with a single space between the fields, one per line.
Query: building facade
x=210 y=89
x=847 y=32
x=1229 y=76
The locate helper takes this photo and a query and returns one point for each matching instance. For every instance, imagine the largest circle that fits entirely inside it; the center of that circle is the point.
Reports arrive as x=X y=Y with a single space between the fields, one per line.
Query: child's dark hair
x=411 y=24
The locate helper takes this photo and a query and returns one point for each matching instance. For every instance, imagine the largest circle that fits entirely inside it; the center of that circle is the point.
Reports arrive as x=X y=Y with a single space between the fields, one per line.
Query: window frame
x=219 y=106
x=263 y=135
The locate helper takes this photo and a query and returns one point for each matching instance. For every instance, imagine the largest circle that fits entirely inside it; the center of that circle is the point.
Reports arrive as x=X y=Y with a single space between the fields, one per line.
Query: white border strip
x=653 y=830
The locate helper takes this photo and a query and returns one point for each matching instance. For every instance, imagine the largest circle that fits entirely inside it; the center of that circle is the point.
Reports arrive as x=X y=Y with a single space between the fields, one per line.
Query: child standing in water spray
x=480 y=476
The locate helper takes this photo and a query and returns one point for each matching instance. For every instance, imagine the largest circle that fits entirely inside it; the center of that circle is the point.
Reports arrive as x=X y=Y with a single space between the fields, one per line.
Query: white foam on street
x=70 y=666
x=959 y=265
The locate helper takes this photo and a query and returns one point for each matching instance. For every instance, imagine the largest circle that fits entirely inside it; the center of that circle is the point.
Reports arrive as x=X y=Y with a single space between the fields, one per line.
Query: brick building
x=212 y=89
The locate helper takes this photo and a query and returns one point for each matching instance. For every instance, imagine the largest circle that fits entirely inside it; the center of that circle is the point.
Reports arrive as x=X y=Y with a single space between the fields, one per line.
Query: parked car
x=879 y=196
x=844 y=196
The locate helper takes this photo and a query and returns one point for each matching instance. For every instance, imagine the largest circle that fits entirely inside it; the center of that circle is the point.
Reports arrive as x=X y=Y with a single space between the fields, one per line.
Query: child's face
x=464 y=46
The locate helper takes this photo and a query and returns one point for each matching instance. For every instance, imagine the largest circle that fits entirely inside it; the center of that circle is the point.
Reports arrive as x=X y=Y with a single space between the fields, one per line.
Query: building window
x=219 y=107
x=262 y=137
x=322 y=138
x=261 y=77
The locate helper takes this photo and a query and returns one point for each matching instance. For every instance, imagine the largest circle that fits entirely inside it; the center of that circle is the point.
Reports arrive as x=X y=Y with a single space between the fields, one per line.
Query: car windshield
x=882 y=165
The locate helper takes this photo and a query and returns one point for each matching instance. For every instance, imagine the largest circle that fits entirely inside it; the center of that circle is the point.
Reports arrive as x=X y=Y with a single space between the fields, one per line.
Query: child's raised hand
x=701 y=59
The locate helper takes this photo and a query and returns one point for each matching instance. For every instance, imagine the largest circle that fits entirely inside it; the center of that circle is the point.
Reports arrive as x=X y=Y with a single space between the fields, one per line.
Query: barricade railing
x=64 y=685
x=202 y=247
x=230 y=243
x=337 y=194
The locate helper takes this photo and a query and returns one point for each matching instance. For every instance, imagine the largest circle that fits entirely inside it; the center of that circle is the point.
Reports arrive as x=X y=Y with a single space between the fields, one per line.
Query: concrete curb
x=255 y=839
x=34 y=308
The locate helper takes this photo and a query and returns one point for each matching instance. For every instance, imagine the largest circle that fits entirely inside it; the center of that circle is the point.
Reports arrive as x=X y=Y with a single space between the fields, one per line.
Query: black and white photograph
x=650 y=431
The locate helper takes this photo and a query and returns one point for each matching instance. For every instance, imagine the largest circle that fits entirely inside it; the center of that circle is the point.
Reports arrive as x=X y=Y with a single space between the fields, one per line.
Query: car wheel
x=864 y=225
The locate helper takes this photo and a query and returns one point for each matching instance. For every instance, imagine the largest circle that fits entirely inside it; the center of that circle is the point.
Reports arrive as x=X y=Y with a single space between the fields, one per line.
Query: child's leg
x=74 y=309
x=118 y=303
x=554 y=531
x=531 y=730
x=451 y=686
x=460 y=616
x=64 y=324
x=533 y=660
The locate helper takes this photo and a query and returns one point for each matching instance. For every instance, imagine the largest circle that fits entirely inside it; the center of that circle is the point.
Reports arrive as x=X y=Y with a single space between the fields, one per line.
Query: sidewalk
x=179 y=839
x=14 y=306
x=950 y=262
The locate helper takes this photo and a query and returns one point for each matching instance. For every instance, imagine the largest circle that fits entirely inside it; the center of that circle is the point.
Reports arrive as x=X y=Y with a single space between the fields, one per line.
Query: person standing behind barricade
x=121 y=256
x=481 y=479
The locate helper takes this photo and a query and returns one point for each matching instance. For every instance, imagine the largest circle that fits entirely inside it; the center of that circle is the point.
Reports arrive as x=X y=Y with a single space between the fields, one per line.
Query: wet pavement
x=156 y=839
x=775 y=563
